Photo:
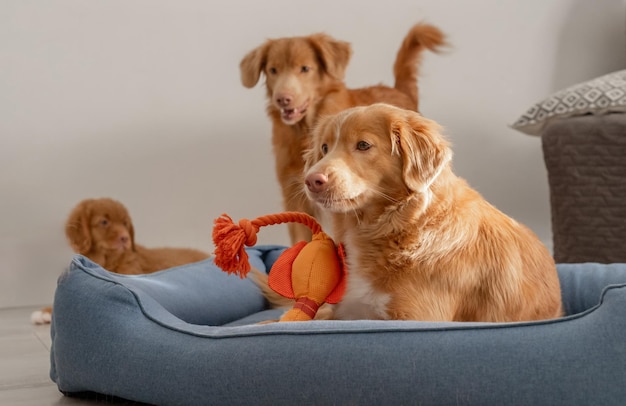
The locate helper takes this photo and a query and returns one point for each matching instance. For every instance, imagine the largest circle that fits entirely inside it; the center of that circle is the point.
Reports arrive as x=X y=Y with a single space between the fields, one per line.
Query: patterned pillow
x=605 y=94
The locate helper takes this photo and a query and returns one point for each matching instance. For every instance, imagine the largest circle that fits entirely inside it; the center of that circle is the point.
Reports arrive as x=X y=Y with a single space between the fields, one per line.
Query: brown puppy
x=420 y=243
x=101 y=230
x=304 y=81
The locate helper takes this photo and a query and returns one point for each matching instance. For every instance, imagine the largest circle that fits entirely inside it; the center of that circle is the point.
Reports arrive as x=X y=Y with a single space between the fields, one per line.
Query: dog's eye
x=273 y=71
x=305 y=69
x=324 y=149
x=363 y=145
x=104 y=222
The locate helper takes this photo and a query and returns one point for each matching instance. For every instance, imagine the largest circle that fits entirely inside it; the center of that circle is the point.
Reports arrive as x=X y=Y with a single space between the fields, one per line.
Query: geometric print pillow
x=605 y=94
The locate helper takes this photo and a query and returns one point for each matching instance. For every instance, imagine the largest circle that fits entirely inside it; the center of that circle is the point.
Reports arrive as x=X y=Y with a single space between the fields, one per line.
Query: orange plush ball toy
x=311 y=273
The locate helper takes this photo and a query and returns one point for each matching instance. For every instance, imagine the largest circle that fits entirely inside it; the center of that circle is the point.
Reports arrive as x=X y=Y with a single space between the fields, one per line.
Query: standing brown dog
x=304 y=81
x=101 y=230
x=421 y=244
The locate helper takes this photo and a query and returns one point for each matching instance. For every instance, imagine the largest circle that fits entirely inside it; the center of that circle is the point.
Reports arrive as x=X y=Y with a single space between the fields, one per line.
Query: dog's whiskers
x=299 y=195
x=379 y=192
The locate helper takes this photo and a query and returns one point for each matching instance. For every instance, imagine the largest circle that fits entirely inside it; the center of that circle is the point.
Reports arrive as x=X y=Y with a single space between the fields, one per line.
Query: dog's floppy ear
x=252 y=64
x=334 y=55
x=77 y=228
x=423 y=149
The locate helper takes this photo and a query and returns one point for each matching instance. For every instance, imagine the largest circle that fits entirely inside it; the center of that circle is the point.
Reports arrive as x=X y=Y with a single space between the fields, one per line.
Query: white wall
x=140 y=100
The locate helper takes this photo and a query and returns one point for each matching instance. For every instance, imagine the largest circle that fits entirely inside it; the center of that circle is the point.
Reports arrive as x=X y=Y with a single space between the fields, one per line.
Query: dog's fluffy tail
x=275 y=300
x=422 y=36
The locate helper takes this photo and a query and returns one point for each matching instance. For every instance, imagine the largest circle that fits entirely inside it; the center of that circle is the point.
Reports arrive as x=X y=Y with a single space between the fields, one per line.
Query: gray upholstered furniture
x=585 y=158
x=186 y=336
x=583 y=134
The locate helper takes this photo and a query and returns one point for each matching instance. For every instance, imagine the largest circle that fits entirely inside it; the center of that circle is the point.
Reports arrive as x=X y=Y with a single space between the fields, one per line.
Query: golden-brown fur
x=102 y=230
x=420 y=243
x=304 y=81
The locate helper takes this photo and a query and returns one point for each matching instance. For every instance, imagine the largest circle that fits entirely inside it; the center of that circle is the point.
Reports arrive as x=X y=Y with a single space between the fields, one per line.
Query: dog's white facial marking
x=338 y=130
x=290 y=98
x=345 y=190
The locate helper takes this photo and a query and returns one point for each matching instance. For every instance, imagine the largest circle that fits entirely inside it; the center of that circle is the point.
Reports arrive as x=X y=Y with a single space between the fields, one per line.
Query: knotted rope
x=229 y=238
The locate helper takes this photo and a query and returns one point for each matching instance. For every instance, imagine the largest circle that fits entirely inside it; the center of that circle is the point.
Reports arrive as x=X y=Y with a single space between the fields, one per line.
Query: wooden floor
x=25 y=364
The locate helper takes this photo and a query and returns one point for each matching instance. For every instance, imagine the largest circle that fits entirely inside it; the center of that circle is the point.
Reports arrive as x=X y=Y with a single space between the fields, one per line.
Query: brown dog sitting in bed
x=304 y=81
x=101 y=230
x=420 y=243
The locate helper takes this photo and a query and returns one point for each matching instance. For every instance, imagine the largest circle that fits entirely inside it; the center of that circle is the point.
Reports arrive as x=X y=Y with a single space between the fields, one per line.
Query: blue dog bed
x=187 y=336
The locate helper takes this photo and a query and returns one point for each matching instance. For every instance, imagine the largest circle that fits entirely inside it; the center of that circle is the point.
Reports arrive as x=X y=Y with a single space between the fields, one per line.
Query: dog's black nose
x=316 y=182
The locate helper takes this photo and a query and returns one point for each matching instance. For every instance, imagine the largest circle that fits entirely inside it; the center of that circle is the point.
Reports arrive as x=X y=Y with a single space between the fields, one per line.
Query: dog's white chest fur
x=361 y=299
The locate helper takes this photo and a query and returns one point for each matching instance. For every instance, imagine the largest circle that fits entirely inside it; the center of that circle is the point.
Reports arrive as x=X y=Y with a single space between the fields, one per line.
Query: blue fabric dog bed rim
x=116 y=335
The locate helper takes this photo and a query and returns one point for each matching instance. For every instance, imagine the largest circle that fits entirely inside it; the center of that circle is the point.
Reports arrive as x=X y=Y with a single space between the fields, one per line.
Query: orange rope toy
x=311 y=273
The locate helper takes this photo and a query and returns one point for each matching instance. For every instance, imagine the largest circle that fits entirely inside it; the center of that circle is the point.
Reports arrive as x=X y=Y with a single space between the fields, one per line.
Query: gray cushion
x=186 y=336
x=602 y=95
